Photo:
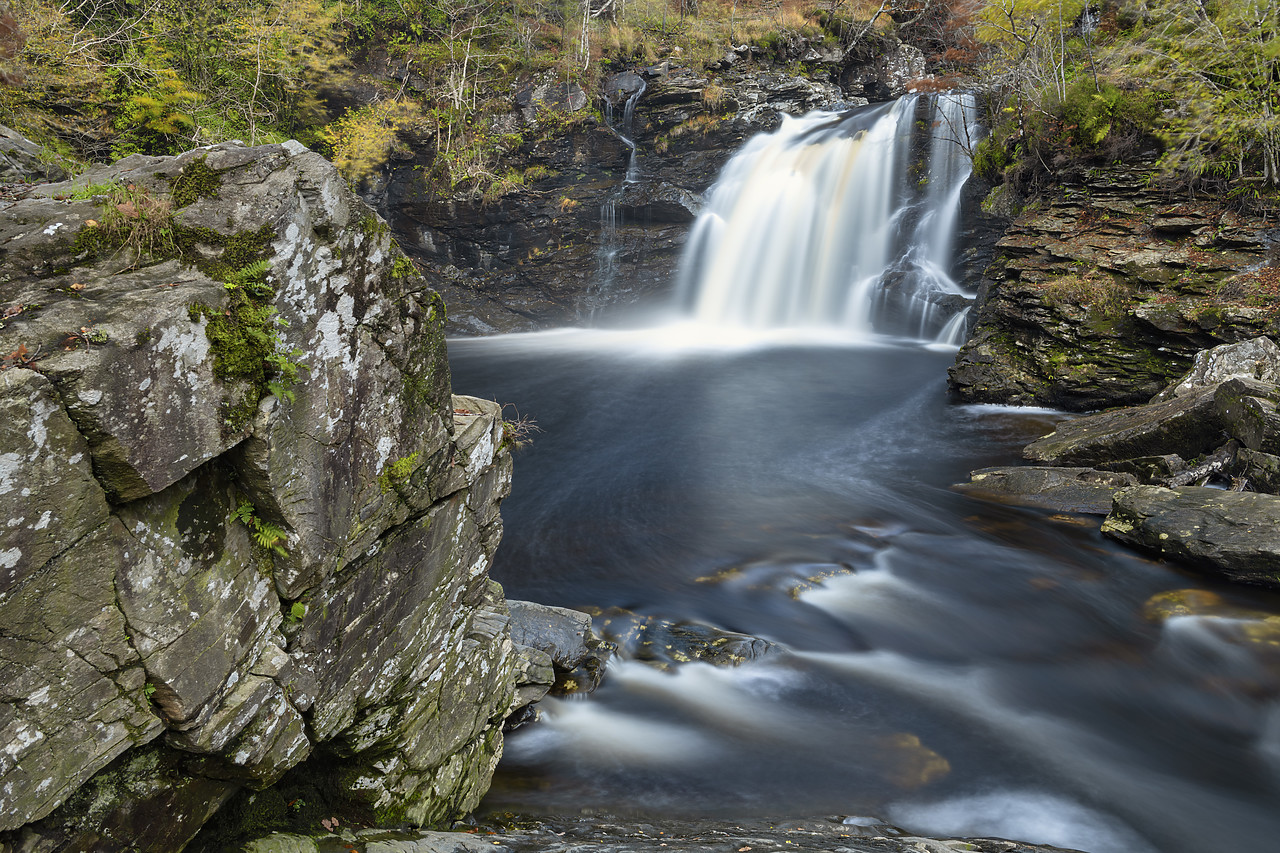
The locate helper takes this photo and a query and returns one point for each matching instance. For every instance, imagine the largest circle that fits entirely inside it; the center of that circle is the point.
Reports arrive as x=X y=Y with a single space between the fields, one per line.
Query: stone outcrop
x=1230 y=534
x=247 y=524
x=1146 y=467
x=1101 y=294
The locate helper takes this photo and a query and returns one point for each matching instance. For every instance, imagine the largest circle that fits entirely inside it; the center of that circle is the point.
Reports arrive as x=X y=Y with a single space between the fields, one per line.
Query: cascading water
x=607 y=254
x=839 y=220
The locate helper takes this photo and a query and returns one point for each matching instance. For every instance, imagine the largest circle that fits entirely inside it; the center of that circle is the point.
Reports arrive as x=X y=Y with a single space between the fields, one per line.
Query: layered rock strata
x=247 y=524
x=1101 y=294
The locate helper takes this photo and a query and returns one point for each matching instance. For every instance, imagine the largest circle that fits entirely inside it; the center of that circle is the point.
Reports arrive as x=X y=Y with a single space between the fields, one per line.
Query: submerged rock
x=1084 y=490
x=667 y=643
x=1231 y=534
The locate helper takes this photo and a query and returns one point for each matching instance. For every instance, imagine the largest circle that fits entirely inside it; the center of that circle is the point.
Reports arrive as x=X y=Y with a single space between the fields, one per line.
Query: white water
x=827 y=223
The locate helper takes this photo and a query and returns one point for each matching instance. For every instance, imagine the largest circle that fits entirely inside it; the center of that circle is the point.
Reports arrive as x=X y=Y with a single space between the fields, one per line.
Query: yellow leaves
x=363 y=139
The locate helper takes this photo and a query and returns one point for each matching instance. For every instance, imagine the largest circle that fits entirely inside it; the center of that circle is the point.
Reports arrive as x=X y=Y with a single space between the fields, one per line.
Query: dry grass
x=1097 y=292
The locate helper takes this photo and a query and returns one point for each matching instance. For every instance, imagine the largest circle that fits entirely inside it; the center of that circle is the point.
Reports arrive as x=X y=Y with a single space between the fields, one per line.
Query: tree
x=1221 y=60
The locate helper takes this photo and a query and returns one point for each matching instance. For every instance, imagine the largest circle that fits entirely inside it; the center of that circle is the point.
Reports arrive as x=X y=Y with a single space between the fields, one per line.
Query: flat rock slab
x=1084 y=490
x=1232 y=534
x=1187 y=425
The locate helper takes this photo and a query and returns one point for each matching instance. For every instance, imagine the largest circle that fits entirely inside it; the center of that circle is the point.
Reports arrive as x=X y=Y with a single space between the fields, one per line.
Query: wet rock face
x=1101 y=295
x=210 y=573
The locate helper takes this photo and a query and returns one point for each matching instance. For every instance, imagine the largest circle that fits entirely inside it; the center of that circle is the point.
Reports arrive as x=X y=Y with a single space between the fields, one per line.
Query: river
x=950 y=665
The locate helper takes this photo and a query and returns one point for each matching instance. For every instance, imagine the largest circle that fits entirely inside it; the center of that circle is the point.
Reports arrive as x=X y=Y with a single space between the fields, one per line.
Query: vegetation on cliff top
x=1074 y=83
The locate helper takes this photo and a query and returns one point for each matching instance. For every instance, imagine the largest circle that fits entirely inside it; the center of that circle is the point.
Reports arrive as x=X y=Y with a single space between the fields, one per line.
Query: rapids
x=781 y=470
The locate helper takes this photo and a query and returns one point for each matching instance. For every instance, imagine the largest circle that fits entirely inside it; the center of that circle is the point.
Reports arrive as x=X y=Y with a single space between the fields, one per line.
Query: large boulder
x=1230 y=534
x=249 y=525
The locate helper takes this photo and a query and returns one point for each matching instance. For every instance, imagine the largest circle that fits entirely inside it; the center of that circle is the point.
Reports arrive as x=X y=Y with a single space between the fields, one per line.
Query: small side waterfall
x=840 y=220
x=607 y=254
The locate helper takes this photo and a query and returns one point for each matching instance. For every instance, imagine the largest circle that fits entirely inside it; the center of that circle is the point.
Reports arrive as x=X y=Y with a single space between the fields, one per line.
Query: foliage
x=1099 y=293
x=364 y=138
x=264 y=533
x=1222 y=62
x=135 y=223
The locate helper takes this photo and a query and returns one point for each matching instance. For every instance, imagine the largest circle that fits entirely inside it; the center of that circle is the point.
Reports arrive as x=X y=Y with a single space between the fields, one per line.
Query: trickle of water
x=839 y=220
x=607 y=254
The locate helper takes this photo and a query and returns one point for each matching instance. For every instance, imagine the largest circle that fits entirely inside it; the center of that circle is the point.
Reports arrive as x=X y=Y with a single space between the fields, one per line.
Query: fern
x=267 y=535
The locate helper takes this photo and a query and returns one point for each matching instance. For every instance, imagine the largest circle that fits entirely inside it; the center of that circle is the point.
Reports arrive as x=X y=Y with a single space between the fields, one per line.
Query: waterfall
x=607 y=253
x=839 y=220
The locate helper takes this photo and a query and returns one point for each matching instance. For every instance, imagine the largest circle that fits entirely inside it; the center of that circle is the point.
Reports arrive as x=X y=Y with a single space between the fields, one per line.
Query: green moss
x=219 y=256
x=196 y=181
x=403 y=268
x=397 y=473
x=374 y=227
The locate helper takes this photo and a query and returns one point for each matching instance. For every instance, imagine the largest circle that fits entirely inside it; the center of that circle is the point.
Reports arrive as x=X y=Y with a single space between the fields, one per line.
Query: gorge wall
x=1101 y=292
x=247 y=526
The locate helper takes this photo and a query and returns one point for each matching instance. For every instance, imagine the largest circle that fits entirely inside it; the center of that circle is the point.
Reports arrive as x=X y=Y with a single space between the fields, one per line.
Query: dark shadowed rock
x=1231 y=534
x=1260 y=470
x=660 y=202
x=1083 y=490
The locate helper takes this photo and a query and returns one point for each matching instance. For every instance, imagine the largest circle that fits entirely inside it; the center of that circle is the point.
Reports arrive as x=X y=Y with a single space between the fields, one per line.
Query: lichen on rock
x=165 y=652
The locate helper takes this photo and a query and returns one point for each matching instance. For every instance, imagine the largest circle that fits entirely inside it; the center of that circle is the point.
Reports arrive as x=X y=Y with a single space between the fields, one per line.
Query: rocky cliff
x=247 y=526
x=1102 y=292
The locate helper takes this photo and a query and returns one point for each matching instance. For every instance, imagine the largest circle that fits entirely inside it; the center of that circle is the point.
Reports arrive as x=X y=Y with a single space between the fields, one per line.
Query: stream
x=953 y=666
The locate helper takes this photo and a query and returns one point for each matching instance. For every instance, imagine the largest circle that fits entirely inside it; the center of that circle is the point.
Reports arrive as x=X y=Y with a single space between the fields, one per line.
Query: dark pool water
x=963 y=668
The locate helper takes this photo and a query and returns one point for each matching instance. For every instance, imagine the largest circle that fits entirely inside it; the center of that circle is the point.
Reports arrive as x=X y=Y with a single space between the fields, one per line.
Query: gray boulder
x=21 y=160
x=1258 y=358
x=209 y=571
x=1083 y=490
x=559 y=632
x=1230 y=534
